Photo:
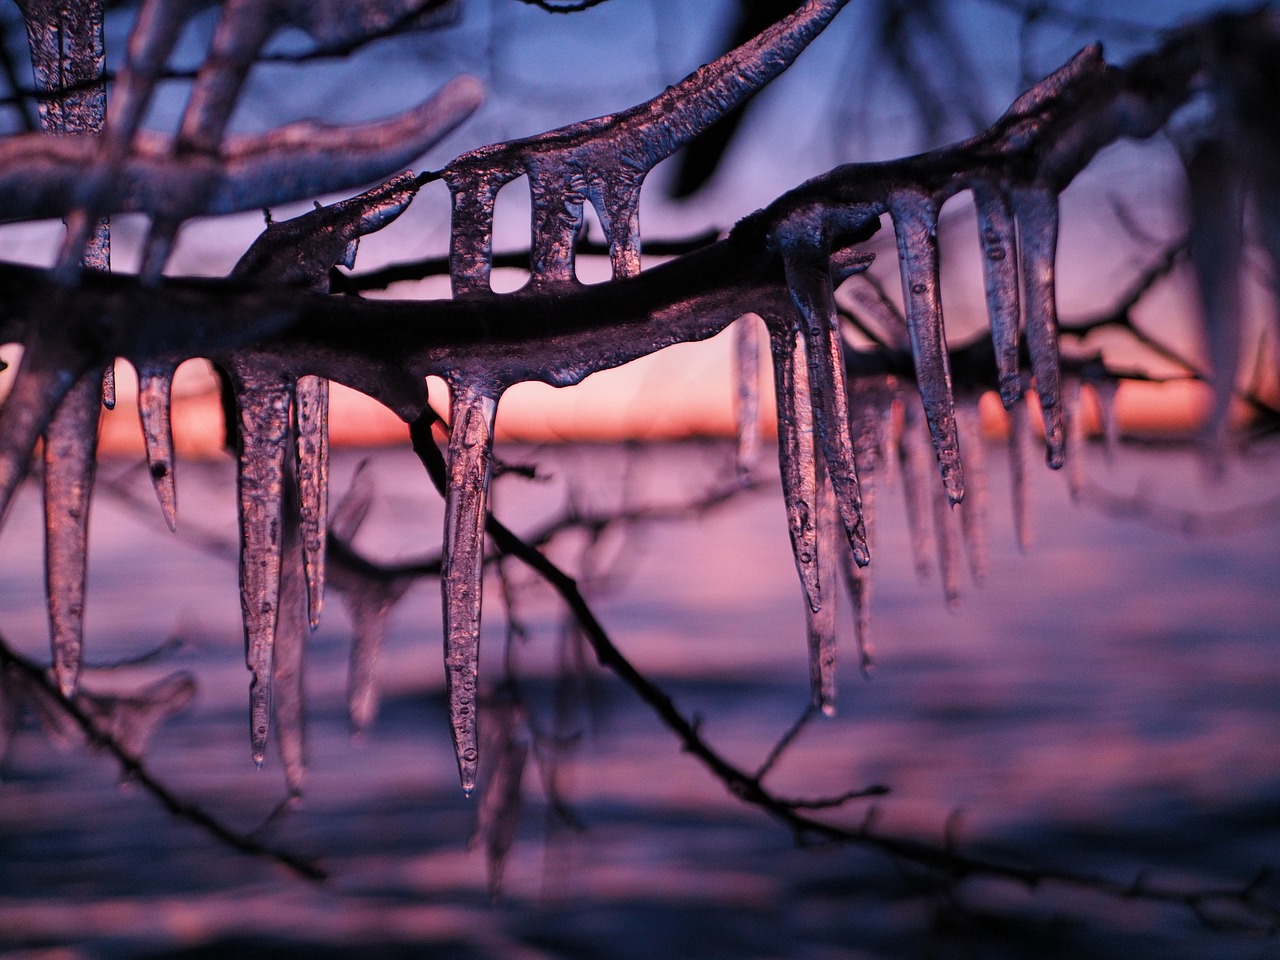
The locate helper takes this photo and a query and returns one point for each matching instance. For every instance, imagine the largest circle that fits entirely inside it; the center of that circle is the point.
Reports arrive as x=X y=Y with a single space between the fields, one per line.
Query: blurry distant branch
x=100 y=734
x=1208 y=904
x=1191 y=523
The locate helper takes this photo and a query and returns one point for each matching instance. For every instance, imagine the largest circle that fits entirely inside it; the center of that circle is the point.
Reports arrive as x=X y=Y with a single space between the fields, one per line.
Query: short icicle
x=796 y=456
x=809 y=281
x=472 y=412
x=998 y=234
x=264 y=440
x=155 y=386
x=311 y=412
x=746 y=409
x=70 y=447
x=915 y=222
x=1037 y=214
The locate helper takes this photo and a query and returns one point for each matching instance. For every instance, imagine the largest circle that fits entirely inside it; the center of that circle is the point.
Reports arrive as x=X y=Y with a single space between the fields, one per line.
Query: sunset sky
x=839 y=103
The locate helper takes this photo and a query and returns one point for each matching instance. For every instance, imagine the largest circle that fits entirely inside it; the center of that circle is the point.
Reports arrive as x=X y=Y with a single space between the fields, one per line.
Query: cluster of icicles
x=282 y=427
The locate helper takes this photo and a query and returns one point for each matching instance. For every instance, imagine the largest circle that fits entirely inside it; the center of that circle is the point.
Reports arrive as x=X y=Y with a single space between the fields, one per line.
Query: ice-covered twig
x=604 y=161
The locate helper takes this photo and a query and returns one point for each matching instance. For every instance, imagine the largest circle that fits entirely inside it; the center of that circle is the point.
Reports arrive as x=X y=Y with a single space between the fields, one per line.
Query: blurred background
x=1104 y=701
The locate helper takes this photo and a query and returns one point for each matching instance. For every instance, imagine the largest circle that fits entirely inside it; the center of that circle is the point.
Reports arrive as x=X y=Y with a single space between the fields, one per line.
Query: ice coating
x=70 y=445
x=155 y=385
x=604 y=161
x=301 y=252
x=746 y=408
x=997 y=233
x=38 y=173
x=809 y=282
x=471 y=419
x=944 y=538
x=915 y=222
x=242 y=29
x=1036 y=209
x=796 y=456
x=263 y=443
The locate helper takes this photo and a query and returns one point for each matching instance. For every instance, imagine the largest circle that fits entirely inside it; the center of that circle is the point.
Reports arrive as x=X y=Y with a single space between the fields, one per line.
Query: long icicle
x=809 y=282
x=796 y=455
x=914 y=472
x=821 y=624
x=915 y=222
x=67 y=56
x=155 y=384
x=263 y=443
x=1036 y=209
x=973 y=512
x=70 y=449
x=472 y=412
x=998 y=234
x=288 y=702
x=311 y=411
x=746 y=408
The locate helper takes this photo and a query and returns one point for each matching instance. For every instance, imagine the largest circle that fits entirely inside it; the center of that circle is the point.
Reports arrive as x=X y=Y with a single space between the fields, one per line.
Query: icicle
x=368 y=609
x=916 y=483
x=155 y=384
x=944 y=521
x=973 y=512
x=109 y=386
x=1105 y=389
x=796 y=456
x=915 y=222
x=809 y=282
x=1019 y=431
x=470 y=454
x=1073 y=417
x=857 y=581
x=1216 y=242
x=264 y=438
x=1037 y=214
x=70 y=447
x=821 y=624
x=368 y=599
x=498 y=813
x=870 y=411
x=998 y=233
x=746 y=410
x=311 y=409
x=288 y=701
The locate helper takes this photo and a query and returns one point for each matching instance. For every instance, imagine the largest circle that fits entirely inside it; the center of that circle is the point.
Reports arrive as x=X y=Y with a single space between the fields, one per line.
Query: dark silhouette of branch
x=136 y=771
